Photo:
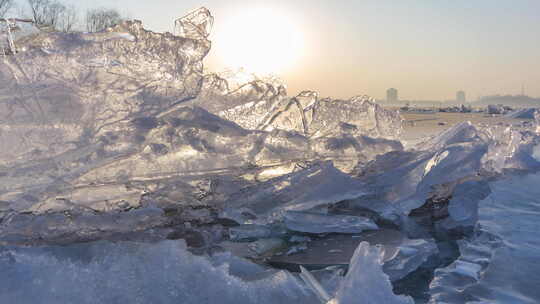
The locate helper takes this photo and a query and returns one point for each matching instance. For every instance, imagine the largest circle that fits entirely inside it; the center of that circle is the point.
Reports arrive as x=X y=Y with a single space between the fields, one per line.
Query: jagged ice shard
x=158 y=179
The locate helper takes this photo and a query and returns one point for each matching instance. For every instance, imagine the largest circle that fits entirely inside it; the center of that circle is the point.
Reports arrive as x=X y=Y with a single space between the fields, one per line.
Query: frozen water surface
x=129 y=175
x=499 y=264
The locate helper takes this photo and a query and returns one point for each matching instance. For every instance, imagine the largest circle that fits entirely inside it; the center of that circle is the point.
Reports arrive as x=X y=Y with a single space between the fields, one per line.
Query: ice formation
x=119 y=136
x=195 y=25
x=498 y=263
x=111 y=273
x=309 y=222
x=365 y=281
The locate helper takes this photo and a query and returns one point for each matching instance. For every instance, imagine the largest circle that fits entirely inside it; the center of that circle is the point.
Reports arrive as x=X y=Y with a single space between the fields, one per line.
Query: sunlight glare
x=261 y=40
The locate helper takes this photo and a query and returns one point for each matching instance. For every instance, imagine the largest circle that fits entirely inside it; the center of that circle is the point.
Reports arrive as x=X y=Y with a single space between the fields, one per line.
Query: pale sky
x=427 y=49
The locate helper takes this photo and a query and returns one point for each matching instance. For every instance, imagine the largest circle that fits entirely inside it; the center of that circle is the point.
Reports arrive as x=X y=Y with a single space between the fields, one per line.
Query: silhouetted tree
x=101 y=18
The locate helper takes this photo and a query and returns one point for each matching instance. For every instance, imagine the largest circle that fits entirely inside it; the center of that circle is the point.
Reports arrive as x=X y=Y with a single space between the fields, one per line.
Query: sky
x=427 y=49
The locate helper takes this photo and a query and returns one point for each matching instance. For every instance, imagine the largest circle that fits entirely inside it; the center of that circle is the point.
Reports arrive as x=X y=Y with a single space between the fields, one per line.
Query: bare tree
x=101 y=18
x=68 y=19
x=53 y=13
x=47 y=12
x=5 y=6
x=38 y=9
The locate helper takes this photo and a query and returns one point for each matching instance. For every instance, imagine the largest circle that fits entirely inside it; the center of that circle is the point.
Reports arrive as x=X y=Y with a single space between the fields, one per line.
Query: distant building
x=515 y=101
x=391 y=95
x=460 y=97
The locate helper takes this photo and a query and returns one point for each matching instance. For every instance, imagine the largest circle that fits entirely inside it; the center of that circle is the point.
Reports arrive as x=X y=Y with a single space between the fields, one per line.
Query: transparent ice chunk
x=249 y=232
x=366 y=280
x=321 y=184
x=310 y=222
x=315 y=285
x=408 y=256
x=195 y=25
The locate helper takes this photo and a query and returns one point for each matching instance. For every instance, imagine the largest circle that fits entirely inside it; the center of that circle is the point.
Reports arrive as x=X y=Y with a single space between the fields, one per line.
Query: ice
x=238 y=267
x=503 y=249
x=510 y=148
x=249 y=232
x=522 y=114
x=317 y=118
x=67 y=227
x=267 y=246
x=407 y=257
x=195 y=25
x=310 y=222
x=463 y=206
x=329 y=278
x=299 y=239
x=104 y=123
x=119 y=135
x=318 y=185
x=240 y=97
x=460 y=133
x=365 y=280
x=125 y=272
x=537 y=120
x=315 y=285
x=261 y=103
x=62 y=116
x=402 y=256
x=408 y=179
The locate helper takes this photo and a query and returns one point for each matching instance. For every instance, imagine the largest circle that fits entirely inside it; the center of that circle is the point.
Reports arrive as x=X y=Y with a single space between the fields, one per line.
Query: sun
x=259 y=40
